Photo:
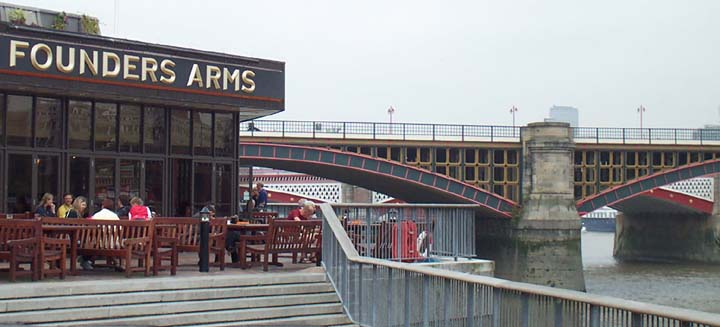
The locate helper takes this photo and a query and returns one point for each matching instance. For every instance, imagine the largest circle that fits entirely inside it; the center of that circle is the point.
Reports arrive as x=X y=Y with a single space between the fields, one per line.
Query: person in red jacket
x=303 y=213
x=138 y=211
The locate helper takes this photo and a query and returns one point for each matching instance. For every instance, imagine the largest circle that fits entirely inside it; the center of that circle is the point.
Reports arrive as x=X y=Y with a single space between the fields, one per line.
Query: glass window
x=2 y=119
x=47 y=123
x=154 y=130
x=48 y=171
x=105 y=126
x=129 y=128
x=154 y=186
x=79 y=179
x=130 y=178
x=19 y=197
x=79 y=124
x=104 y=182
x=223 y=189
x=180 y=131
x=203 y=185
x=224 y=135
x=19 y=120
x=181 y=183
x=202 y=133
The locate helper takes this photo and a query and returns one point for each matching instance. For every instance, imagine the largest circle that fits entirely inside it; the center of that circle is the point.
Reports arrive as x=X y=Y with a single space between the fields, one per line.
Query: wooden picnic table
x=72 y=231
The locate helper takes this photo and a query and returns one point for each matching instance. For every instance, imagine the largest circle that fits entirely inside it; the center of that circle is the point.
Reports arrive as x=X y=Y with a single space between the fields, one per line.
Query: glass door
x=29 y=177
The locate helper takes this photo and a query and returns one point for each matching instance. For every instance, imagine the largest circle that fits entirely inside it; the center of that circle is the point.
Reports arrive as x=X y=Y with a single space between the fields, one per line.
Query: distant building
x=564 y=114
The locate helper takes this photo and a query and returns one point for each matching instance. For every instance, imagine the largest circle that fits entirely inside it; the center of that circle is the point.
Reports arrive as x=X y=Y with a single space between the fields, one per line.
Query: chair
x=53 y=252
x=284 y=236
x=19 y=242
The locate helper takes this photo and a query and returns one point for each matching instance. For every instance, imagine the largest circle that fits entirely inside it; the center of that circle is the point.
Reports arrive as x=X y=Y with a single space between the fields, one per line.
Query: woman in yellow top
x=67 y=205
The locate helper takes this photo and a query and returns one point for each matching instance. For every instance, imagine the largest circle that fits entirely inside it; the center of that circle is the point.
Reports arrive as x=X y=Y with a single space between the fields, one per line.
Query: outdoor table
x=245 y=229
x=72 y=231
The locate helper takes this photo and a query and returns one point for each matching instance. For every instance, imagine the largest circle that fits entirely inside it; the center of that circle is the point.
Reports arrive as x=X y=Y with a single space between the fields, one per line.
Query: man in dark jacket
x=123 y=203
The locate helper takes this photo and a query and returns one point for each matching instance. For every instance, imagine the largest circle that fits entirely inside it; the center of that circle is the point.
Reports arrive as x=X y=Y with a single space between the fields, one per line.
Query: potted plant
x=60 y=21
x=17 y=16
x=90 y=25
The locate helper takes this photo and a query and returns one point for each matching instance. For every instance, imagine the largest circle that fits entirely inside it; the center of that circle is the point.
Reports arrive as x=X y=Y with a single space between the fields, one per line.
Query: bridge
x=531 y=181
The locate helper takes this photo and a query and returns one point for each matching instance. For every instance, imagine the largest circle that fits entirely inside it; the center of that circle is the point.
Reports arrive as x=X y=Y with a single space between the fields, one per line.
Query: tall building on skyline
x=564 y=114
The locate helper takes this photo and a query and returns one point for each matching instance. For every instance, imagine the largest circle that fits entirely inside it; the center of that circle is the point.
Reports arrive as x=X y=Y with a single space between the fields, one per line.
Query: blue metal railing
x=448 y=132
x=377 y=292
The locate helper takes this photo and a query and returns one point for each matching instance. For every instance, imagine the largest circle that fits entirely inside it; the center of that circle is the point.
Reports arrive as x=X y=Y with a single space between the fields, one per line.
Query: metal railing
x=378 y=292
x=409 y=232
x=448 y=132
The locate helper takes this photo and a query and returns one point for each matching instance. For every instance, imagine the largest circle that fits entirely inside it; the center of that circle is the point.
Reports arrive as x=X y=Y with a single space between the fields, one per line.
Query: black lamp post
x=204 y=239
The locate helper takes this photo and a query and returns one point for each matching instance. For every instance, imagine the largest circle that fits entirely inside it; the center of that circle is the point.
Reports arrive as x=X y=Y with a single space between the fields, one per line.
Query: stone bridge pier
x=541 y=243
x=649 y=234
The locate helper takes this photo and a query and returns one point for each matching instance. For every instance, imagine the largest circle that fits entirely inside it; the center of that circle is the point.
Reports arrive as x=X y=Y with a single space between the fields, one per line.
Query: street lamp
x=513 y=110
x=640 y=110
x=390 y=112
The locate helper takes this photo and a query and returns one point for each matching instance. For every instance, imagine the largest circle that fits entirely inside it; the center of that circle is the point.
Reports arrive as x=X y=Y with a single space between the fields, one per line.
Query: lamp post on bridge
x=513 y=110
x=640 y=110
x=390 y=112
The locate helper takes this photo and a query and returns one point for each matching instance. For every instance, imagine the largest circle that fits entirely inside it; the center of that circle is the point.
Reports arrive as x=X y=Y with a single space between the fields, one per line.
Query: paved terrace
x=187 y=268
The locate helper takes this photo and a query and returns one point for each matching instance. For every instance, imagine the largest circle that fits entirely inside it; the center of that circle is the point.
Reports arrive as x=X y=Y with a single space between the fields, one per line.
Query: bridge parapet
x=452 y=132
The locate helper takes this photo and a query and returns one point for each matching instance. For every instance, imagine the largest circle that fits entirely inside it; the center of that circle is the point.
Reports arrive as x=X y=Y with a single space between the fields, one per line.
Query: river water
x=691 y=286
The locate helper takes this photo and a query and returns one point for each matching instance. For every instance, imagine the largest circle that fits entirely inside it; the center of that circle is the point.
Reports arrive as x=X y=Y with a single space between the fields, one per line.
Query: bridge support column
x=541 y=244
x=670 y=236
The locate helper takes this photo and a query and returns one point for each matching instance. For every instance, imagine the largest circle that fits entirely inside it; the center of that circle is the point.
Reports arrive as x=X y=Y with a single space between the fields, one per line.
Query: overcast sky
x=455 y=61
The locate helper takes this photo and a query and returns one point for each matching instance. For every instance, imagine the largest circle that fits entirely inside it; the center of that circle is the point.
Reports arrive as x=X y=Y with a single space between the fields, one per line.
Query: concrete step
x=93 y=300
x=147 y=309
x=61 y=288
x=232 y=316
x=318 y=320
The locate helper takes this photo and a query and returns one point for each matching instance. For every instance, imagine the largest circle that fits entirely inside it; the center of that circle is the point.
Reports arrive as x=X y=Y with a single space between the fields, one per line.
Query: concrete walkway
x=188 y=267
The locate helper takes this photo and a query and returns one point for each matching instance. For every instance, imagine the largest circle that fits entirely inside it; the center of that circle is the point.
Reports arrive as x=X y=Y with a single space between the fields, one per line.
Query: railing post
x=637 y=319
x=433 y=131
x=559 y=312
x=597 y=135
x=314 y=125
x=623 y=133
x=675 y=132
x=373 y=130
x=407 y=298
x=492 y=133
x=344 y=129
x=701 y=137
x=373 y=309
x=524 y=309
x=649 y=135
x=283 y=129
x=594 y=316
x=426 y=301
x=403 y=125
x=497 y=304
x=470 y=304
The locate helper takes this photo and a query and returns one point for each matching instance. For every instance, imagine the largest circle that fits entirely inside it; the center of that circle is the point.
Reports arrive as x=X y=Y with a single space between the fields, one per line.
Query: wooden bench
x=20 y=244
x=184 y=235
x=116 y=239
x=283 y=237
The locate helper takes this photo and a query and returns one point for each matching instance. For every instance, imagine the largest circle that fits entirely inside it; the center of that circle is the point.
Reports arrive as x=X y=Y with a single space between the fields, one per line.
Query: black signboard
x=152 y=74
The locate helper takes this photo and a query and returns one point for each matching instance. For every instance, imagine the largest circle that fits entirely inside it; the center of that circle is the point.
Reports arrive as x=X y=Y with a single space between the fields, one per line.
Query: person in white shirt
x=106 y=212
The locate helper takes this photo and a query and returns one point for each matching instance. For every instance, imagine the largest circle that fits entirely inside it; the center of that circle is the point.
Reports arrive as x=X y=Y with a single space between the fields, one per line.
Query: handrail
x=661 y=311
x=450 y=132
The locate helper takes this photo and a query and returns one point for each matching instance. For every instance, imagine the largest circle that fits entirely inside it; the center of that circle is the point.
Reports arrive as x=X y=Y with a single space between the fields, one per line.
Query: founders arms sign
x=238 y=81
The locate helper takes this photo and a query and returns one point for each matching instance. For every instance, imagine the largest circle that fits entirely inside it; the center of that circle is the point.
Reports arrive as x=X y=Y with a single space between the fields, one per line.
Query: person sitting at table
x=138 y=211
x=123 y=202
x=306 y=212
x=106 y=212
x=46 y=208
x=79 y=209
x=67 y=205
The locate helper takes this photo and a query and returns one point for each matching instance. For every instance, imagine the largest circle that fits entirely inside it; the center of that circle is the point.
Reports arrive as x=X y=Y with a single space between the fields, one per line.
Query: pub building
x=99 y=117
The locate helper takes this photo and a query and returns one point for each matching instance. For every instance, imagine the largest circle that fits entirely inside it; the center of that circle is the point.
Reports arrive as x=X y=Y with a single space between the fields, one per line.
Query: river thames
x=691 y=286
